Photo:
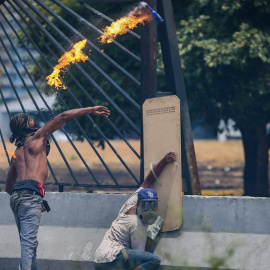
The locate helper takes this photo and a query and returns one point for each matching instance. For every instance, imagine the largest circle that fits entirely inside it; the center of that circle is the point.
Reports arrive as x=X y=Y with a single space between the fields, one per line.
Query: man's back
x=31 y=157
x=31 y=160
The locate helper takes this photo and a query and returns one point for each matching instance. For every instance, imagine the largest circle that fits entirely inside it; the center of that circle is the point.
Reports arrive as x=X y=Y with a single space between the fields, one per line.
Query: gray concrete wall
x=231 y=232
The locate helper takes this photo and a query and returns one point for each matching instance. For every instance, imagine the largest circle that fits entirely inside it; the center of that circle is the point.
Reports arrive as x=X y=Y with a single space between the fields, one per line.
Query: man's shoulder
x=134 y=195
x=35 y=138
x=130 y=202
x=33 y=143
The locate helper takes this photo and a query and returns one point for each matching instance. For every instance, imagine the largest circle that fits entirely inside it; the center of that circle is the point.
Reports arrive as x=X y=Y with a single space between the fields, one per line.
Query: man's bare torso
x=31 y=160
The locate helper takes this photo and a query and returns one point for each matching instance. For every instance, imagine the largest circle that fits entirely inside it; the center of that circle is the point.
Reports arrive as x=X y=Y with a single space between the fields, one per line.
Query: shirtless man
x=30 y=168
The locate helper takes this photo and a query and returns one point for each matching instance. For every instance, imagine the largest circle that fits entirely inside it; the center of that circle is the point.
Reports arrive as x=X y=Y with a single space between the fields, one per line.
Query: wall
x=230 y=232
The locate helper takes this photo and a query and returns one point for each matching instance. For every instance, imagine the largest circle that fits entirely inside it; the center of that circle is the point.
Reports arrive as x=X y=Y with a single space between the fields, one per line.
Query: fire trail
x=139 y=15
x=73 y=56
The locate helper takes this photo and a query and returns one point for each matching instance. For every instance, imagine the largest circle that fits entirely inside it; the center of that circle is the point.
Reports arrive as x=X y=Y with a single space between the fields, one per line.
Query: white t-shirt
x=126 y=231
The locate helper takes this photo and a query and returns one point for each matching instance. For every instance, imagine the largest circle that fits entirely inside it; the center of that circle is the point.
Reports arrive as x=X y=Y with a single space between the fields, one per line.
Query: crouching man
x=123 y=246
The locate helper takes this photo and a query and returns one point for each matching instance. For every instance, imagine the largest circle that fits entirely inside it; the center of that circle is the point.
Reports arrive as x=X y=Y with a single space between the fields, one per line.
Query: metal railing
x=117 y=75
x=31 y=28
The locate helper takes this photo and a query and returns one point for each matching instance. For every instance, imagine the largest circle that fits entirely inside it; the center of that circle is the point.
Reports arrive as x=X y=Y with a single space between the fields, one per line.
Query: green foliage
x=225 y=52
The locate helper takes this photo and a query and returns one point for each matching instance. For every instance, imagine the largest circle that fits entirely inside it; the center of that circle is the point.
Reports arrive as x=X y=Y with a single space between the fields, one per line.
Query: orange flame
x=124 y=24
x=70 y=57
x=12 y=154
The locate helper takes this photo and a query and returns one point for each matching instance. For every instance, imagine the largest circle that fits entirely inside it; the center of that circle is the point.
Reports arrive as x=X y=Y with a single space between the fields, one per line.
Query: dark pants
x=146 y=260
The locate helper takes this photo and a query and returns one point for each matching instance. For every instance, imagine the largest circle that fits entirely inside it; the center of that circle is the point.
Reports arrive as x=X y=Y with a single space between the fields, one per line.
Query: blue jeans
x=27 y=212
x=144 y=259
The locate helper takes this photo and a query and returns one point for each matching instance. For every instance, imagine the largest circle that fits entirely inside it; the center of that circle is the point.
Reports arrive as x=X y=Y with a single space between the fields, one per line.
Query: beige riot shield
x=161 y=134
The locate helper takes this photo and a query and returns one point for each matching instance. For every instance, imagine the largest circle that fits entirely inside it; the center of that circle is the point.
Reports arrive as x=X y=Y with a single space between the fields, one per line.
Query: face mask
x=147 y=211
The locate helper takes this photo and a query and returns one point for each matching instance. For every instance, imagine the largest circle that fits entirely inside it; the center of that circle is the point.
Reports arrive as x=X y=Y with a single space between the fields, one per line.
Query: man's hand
x=101 y=111
x=170 y=157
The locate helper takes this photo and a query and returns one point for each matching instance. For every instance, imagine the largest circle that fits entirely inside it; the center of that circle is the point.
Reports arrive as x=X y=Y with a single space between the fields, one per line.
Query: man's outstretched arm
x=150 y=178
x=58 y=121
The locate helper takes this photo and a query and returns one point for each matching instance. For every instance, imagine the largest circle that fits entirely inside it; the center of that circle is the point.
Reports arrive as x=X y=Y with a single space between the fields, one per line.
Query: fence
x=120 y=75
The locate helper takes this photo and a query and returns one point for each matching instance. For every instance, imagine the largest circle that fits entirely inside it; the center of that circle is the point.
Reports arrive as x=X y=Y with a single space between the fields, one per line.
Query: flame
x=124 y=24
x=70 y=57
x=11 y=154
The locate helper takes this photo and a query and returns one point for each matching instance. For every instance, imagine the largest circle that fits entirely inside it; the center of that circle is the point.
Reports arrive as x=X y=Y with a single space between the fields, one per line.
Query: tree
x=225 y=53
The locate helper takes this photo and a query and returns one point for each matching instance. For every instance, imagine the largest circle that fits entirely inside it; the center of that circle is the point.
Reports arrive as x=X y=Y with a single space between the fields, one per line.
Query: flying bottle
x=155 y=15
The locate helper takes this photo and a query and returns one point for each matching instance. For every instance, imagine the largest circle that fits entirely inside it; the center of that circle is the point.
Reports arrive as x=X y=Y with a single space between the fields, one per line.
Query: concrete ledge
x=231 y=232
x=69 y=265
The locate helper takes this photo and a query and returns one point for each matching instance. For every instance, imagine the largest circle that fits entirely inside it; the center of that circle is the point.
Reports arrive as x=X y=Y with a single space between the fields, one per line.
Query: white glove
x=153 y=230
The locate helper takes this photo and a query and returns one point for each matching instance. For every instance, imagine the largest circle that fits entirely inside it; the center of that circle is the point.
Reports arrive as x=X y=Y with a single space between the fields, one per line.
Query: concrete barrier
x=217 y=233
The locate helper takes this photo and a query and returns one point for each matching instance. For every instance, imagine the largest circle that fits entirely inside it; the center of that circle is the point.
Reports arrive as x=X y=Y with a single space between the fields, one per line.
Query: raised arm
x=11 y=178
x=58 y=121
x=150 y=178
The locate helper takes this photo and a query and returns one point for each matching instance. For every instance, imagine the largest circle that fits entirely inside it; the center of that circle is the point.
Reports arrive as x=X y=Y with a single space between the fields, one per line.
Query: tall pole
x=148 y=67
x=175 y=84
